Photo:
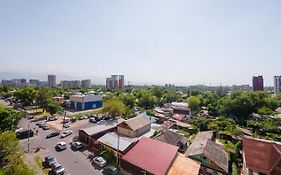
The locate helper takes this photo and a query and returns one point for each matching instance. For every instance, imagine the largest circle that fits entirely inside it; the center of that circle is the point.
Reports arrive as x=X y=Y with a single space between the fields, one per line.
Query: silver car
x=101 y=162
x=57 y=168
x=66 y=133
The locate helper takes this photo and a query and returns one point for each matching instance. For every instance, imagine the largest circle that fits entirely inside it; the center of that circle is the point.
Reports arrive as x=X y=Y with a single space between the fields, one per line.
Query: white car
x=76 y=145
x=61 y=145
x=101 y=162
x=57 y=168
x=66 y=133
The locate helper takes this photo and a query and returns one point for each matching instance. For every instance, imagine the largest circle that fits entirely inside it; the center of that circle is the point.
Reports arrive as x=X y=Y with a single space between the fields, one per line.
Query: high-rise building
x=86 y=83
x=52 y=81
x=34 y=82
x=277 y=84
x=109 y=83
x=258 y=83
x=116 y=81
x=76 y=84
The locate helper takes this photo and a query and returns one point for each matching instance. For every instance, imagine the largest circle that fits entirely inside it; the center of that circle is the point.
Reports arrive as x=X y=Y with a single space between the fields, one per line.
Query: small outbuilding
x=134 y=127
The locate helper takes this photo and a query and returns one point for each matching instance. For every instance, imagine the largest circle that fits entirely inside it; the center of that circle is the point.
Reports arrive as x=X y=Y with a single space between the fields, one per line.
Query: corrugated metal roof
x=102 y=127
x=184 y=166
x=216 y=154
x=199 y=143
x=152 y=155
x=170 y=137
x=138 y=122
x=111 y=140
x=261 y=155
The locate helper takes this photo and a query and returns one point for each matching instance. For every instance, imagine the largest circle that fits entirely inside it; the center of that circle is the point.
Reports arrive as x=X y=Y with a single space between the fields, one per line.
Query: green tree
x=146 y=101
x=114 y=107
x=201 y=124
x=9 y=118
x=8 y=146
x=53 y=107
x=42 y=97
x=26 y=95
x=158 y=91
x=128 y=100
x=194 y=103
x=172 y=96
x=10 y=160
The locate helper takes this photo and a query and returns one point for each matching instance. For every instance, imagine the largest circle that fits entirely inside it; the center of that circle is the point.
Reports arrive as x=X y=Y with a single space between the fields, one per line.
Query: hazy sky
x=149 y=41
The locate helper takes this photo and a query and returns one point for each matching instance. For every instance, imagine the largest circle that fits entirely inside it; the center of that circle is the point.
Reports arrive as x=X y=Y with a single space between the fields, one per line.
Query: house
x=172 y=138
x=184 y=166
x=175 y=110
x=278 y=110
x=92 y=134
x=134 y=127
x=261 y=157
x=115 y=143
x=84 y=102
x=213 y=158
x=149 y=157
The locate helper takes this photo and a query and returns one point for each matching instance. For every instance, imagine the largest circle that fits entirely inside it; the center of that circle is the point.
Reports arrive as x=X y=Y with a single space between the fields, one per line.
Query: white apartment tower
x=52 y=81
x=277 y=84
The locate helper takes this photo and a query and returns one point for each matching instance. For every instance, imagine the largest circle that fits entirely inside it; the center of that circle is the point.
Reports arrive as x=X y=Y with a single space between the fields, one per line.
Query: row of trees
x=11 y=161
x=42 y=97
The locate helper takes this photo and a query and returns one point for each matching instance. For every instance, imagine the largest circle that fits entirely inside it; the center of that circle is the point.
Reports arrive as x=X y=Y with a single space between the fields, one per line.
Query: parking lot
x=74 y=162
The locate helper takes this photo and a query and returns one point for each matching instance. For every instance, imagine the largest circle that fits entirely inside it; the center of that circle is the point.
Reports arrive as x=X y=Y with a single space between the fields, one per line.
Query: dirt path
x=30 y=160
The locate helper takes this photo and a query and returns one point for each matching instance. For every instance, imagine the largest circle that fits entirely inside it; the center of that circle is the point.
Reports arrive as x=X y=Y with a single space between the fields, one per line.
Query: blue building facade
x=85 y=102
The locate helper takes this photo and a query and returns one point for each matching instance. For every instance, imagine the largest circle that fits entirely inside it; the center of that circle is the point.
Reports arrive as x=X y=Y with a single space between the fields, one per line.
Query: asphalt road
x=74 y=162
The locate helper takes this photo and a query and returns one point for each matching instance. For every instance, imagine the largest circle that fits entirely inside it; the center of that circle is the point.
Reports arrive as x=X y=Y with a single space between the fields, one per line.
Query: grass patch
x=85 y=113
x=39 y=163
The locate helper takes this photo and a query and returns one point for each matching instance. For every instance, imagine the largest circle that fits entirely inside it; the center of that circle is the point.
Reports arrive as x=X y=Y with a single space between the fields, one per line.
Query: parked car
x=101 y=121
x=66 y=125
x=57 y=168
x=61 y=145
x=76 y=145
x=45 y=127
x=73 y=119
x=49 y=160
x=52 y=118
x=30 y=117
x=110 y=170
x=66 y=133
x=52 y=134
x=24 y=133
x=92 y=120
x=39 y=123
x=107 y=117
x=99 y=161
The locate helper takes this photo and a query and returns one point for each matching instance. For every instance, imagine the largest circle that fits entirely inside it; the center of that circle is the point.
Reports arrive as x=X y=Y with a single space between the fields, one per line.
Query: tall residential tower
x=277 y=84
x=258 y=83
x=52 y=82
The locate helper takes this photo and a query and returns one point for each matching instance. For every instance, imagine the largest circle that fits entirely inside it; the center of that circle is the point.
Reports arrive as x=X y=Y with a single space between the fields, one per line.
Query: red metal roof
x=261 y=155
x=152 y=155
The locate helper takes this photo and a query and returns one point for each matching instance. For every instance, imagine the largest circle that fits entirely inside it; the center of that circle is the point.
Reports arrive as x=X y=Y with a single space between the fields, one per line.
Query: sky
x=181 y=42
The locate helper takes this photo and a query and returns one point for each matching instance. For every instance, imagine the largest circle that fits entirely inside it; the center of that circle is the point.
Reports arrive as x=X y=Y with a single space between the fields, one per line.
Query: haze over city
x=150 y=42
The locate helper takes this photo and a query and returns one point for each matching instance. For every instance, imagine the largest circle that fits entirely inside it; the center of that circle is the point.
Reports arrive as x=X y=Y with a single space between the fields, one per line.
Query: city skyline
x=194 y=43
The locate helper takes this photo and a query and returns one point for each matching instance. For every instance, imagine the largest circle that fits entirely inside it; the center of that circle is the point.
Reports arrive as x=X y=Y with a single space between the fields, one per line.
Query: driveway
x=74 y=162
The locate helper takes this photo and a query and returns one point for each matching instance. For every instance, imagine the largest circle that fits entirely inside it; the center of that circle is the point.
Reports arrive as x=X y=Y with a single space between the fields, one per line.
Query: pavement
x=74 y=162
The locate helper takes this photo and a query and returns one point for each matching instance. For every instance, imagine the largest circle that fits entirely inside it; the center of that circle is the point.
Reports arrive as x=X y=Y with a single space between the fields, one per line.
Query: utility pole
x=28 y=134
x=63 y=119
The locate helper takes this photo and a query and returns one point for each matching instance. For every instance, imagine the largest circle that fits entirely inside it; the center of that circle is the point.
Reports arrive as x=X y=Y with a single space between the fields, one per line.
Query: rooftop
x=111 y=139
x=184 y=166
x=199 y=143
x=102 y=127
x=152 y=155
x=261 y=155
x=170 y=137
x=137 y=122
